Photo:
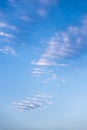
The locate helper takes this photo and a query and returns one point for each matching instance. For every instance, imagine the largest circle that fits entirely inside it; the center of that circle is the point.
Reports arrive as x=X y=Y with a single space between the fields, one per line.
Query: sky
x=43 y=65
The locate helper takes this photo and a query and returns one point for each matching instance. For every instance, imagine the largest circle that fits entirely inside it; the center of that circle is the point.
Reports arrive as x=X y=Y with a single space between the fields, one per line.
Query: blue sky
x=43 y=68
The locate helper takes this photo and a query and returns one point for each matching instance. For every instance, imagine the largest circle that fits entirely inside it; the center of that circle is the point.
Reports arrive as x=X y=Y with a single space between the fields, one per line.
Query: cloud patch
x=39 y=101
x=8 y=50
x=42 y=12
x=65 y=46
x=47 y=2
x=4 y=34
x=5 y=25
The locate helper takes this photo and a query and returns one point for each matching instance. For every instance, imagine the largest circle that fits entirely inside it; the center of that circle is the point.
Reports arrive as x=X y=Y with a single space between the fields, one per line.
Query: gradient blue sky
x=43 y=64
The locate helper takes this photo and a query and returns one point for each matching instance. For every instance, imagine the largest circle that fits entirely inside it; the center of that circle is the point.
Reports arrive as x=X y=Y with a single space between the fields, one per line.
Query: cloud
x=25 y=10
x=65 y=46
x=5 y=25
x=42 y=12
x=44 y=1
x=65 y=49
x=4 y=34
x=43 y=62
x=12 y=3
x=47 y=2
x=36 y=102
x=41 y=70
x=45 y=6
x=26 y=18
x=38 y=71
x=47 y=62
x=8 y=50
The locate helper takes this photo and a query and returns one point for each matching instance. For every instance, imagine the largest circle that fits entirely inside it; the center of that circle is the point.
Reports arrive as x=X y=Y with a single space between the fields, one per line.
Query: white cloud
x=44 y=1
x=5 y=25
x=38 y=101
x=38 y=71
x=45 y=6
x=44 y=96
x=64 y=45
x=41 y=70
x=8 y=50
x=54 y=77
x=4 y=34
x=42 y=12
x=12 y=3
x=47 y=2
x=43 y=62
x=61 y=51
x=26 y=18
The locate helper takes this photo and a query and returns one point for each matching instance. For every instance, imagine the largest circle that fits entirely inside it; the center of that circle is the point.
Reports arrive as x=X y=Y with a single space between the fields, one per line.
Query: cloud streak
x=5 y=25
x=40 y=101
x=4 y=34
x=47 y=2
x=65 y=45
x=8 y=50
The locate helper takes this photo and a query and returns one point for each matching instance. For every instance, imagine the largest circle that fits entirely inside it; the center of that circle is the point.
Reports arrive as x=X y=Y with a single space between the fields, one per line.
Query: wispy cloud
x=44 y=1
x=4 y=34
x=36 y=102
x=5 y=25
x=42 y=12
x=43 y=62
x=45 y=5
x=26 y=18
x=12 y=3
x=65 y=45
x=47 y=2
x=38 y=71
x=8 y=50
x=41 y=70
